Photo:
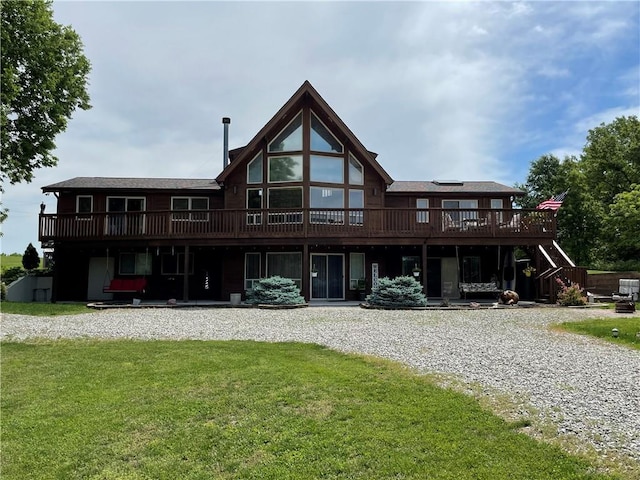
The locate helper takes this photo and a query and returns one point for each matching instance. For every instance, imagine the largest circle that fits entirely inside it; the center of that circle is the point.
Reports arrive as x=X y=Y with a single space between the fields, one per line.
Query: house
x=304 y=199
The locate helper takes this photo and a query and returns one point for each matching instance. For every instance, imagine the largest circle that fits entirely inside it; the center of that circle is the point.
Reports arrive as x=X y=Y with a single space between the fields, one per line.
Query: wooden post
x=185 y=280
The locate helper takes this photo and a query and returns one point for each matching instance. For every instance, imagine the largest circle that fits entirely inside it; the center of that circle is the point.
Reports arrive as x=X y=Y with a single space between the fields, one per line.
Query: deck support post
x=185 y=280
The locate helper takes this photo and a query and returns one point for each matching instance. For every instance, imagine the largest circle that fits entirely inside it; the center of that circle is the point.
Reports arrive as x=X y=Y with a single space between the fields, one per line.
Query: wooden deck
x=356 y=225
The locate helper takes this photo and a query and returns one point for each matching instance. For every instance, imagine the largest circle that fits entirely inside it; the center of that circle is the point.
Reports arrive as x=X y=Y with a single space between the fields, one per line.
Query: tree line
x=599 y=221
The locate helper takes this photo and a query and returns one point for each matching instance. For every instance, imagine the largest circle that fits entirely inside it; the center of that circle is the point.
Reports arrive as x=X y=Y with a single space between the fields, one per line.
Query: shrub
x=400 y=292
x=274 y=291
x=570 y=295
x=30 y=259
x=11 y=274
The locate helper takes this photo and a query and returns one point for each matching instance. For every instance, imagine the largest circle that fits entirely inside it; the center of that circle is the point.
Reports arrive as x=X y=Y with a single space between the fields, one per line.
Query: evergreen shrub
x=275 y=291
x=400 y=292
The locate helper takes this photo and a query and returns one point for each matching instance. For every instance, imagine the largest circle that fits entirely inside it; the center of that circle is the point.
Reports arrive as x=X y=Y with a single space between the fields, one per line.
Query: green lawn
x=202 y=410
x=40 y=309
x=628 y=329
x=12 y=260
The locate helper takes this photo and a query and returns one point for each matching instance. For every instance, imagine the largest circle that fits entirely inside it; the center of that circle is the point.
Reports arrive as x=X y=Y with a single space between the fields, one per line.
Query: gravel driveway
x=588 y=388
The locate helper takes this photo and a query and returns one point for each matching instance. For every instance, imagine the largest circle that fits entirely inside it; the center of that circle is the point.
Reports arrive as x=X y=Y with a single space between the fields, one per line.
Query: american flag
x=554 y=203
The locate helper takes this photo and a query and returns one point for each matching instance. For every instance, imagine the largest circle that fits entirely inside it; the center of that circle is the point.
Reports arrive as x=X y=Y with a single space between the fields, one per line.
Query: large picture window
x=254 y=202
x=287 y=265
x=322 y=140
x=254 y=169
x=330 y=198
x=285 y=169
x=356 y=200
x=285 y=198
x=356 y=171
x=290 y=138
x=327 y=169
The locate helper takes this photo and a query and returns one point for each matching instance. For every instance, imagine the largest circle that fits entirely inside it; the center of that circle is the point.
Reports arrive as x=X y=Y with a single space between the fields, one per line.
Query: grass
x=628 y=329
x=12 y=260
x=225 y=410
x=38 y=309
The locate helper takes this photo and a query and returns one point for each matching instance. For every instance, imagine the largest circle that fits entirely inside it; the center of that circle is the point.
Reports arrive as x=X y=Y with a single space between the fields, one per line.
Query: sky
x=440 y=90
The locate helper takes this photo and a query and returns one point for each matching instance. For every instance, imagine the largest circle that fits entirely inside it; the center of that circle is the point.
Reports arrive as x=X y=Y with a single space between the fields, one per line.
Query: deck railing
x=369 y=222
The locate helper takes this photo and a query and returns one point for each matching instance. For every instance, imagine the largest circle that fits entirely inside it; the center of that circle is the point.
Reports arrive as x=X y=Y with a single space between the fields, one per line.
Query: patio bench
x=126 y=285
x=478 y=287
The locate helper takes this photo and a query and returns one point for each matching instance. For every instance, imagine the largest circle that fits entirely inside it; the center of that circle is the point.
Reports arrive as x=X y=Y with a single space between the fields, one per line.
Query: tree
x=624 y=224
x=44 y=78
x=30 y=259
x=611 y=158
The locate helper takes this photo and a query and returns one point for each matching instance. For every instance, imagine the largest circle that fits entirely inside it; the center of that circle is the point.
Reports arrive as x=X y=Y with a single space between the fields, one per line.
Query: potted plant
x=314 y=272
x=529 y=270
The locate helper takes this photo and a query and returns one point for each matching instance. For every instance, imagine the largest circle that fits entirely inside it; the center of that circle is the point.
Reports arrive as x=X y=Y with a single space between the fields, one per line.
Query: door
x=122 y=219
x=328 y=282
x=434 y=278
x=449 y=275
x=100 y=273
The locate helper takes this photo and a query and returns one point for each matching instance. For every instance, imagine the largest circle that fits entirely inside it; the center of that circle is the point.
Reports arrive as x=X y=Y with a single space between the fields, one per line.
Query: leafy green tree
x=611 y=158
x=624 y=224
x=30 y=259
x=44 y=78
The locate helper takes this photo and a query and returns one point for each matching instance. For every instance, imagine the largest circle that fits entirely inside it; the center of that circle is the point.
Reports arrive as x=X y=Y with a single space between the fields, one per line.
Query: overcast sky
x=440 y=90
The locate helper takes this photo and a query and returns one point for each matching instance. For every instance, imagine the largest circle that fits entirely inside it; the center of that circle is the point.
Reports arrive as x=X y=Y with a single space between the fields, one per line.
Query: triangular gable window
x=322 y=140
x=289 y=139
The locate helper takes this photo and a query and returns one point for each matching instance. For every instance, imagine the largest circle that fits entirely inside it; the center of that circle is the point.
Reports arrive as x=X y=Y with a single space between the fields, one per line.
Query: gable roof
x=453 y=187
x=111 y=183
x=289 y=109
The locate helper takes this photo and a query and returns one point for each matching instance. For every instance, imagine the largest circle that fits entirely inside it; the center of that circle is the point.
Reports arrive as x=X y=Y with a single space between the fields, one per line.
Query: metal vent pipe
x=225 y=141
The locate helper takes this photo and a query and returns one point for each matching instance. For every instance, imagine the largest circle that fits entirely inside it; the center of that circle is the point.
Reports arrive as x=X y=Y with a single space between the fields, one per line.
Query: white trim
x=84 y=215
x=330 y=133
x=273 y=139
x=562 y=252
x=261 y=170
x=349 y=157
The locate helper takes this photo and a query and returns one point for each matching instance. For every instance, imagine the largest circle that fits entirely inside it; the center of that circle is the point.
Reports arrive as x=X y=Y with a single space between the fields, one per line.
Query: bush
x=11 y=274
x=400 y=292
x=3 y=291
x=570 y=295
x=274 y=291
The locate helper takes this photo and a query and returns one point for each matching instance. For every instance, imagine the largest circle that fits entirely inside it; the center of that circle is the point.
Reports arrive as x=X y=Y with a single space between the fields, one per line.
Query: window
x=290 y=138
x=123 y=219
x=356 y=200
x=254 y=170
x=254 y=202
x=322 y=140
x=471 y=269
x=84 y=206
x=285 y=198
x=285 y=169
x=135 y=264
x=188 y=205
x=330 y=198
x=356 y=171
x=327 y=169
x=497 y=204
x=287 y=265
x=458 y=213
x=174 y=264
x=356 y=269
x=409 y=263
x=251 y=269
x=422 y=204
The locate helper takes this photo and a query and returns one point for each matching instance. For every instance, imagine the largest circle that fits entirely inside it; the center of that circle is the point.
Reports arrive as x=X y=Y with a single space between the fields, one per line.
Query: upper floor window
x=254 y=169
x=84 y=206
x=322 y=140
x=290 y=138
x=356 y=171
x=285 y=169
x=327 y=169
x=189 y=204
x=422 y=204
